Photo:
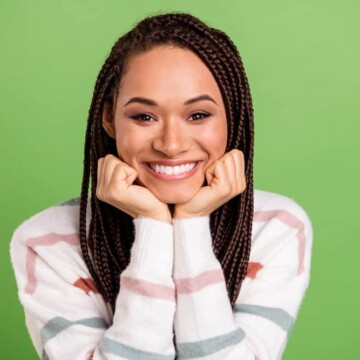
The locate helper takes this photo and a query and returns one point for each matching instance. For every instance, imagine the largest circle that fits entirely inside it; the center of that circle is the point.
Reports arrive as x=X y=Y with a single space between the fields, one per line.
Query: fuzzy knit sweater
x=173 y=283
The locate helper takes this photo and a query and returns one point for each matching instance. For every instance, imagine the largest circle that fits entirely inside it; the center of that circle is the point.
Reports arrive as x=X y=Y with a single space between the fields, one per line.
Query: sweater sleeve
x=258 y=327
x=66 y=316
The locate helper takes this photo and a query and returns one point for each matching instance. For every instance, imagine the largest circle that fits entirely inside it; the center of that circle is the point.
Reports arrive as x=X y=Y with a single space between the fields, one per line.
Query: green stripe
x=71 y=202
x=209 y=346
x=119 y=349
x=58 y=324
x=277 y=315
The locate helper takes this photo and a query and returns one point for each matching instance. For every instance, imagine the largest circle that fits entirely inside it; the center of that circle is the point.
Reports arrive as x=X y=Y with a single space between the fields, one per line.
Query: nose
x=172 y=139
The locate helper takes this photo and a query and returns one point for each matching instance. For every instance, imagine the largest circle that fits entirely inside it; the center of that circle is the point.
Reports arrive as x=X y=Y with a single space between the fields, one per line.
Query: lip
x=173 y=176
x=172 y=162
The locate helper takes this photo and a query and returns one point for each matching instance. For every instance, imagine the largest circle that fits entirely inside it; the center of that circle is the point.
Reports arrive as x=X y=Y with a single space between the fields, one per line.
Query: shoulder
x=46 y=245
x=265 y=201
x=281 y=229
x=270 y=207
x=48 y=227
x=62 y=217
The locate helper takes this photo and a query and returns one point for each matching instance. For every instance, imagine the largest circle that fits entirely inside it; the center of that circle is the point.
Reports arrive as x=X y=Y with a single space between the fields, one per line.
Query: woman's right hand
x=115 y=187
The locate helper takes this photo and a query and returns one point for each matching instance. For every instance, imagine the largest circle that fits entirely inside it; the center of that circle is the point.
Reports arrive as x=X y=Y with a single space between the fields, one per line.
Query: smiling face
x=169 y=111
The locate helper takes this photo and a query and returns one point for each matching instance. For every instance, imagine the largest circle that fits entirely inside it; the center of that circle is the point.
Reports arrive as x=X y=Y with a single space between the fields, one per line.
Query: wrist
x=160 y=217
x=182 y=214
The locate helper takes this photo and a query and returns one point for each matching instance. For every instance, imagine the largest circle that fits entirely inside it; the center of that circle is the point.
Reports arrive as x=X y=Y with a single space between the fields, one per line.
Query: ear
x=107 y=120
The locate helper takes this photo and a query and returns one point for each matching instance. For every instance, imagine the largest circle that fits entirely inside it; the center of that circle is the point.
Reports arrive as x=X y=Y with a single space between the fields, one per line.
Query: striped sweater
x=173 y=283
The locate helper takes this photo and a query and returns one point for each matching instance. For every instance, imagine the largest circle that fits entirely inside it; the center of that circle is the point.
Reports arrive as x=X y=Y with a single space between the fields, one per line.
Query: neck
x=172 y=209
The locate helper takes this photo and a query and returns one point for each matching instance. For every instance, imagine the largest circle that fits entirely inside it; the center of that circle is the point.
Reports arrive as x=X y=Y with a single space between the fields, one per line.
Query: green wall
x=302 y=60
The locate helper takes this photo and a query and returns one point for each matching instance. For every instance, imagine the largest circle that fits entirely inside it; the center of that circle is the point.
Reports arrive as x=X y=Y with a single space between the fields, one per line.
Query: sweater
x=173 y=283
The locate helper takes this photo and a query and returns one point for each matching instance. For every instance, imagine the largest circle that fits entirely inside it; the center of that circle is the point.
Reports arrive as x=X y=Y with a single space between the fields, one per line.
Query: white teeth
x=170 y=170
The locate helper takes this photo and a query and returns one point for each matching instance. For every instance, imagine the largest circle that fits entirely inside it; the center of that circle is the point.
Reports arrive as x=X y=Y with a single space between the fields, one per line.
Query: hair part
x=106 y=247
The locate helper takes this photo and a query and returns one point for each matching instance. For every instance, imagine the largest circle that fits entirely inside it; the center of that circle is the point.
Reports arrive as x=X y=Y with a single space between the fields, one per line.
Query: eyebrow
x=146 y=101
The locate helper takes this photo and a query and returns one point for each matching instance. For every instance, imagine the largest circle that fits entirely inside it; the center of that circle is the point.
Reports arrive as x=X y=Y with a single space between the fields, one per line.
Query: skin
x=169 y=130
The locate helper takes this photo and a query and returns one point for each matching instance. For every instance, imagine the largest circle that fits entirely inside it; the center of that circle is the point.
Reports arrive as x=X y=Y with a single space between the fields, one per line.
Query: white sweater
x=173 y=283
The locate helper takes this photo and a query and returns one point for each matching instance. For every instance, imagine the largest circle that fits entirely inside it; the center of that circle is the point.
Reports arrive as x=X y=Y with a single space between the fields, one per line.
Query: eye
x=199 y=115
x=142 y=117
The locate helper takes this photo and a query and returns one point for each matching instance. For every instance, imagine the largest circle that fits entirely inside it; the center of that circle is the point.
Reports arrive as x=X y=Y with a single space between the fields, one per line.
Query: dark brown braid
x=106 y=246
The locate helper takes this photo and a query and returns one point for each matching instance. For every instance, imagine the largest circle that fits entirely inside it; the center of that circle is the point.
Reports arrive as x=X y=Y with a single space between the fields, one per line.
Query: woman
x=176 y=256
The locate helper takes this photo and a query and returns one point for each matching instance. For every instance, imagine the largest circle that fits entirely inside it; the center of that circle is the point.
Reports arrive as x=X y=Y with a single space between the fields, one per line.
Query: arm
x=66 y=316
x=268 y=303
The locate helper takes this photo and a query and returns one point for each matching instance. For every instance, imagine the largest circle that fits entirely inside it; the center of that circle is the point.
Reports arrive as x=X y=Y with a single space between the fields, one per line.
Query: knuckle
x=233 y=152
x=226 y=189
x=118 y=167
x=242 y=187
x=108 y=157
x=112 y=193
x=98 y=193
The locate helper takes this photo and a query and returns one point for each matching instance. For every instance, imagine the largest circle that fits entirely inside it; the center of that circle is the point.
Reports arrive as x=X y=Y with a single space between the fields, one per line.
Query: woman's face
x=169 y=122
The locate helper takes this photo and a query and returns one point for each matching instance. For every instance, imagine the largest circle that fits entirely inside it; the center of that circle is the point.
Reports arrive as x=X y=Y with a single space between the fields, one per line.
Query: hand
x=225 y=178
x=115 y=186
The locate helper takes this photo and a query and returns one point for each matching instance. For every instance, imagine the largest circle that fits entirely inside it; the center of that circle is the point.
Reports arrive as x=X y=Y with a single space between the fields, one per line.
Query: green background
x=302 y=61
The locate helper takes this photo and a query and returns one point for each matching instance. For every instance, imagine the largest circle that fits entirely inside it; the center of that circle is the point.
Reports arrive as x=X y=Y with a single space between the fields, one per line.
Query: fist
x=225 y=178
x=115 y=186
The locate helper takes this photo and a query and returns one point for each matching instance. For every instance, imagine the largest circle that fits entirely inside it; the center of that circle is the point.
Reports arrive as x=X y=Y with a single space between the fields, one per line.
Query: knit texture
x=173 y=283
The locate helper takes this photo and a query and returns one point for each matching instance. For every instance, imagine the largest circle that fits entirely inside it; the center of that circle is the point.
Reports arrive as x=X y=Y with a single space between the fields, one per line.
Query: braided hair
x=107 y=244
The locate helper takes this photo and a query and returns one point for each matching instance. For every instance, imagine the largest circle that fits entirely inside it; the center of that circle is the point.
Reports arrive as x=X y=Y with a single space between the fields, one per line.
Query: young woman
x=175 y=255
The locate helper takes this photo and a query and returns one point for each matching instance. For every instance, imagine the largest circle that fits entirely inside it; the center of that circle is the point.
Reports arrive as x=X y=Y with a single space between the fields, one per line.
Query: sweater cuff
x=152 y=251
x=193 y=246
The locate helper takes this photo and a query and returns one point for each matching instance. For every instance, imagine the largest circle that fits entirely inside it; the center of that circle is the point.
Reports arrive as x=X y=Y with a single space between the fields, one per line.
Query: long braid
x=106 y=247
x=233 y=256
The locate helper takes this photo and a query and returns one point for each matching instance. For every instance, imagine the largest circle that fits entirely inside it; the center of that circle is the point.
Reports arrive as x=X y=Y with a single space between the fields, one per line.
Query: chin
x=177 y=199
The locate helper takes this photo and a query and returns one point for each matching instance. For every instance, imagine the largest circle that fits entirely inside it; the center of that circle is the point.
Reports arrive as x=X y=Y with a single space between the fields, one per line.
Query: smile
x=170 y=170
x=173 y=172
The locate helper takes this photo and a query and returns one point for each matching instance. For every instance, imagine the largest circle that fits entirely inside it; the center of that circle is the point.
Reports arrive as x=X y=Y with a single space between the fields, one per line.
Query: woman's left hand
x=225 y=178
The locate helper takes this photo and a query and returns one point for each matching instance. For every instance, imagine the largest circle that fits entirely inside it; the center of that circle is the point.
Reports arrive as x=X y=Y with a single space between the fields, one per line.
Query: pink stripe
x=148 y=288
x=253 y=269
x=207 y=278
x=86 y=285
x=31 y=256
x=290 y=220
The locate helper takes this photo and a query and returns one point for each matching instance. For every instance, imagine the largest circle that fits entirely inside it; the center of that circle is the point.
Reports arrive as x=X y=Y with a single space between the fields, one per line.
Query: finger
x=99 y=168
x=102 y=172
x=230 y=168
x=243 y=177
x=209 y=178
x=220 y=179
x=110 y=164
x=99 y=173
x=131 y=175
x=237 y=160
x=240 y=170
x=123 y=176
x=209 y=173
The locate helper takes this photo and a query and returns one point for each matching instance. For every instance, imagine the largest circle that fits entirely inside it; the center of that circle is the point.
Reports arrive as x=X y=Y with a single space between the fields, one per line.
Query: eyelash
x=138 y=116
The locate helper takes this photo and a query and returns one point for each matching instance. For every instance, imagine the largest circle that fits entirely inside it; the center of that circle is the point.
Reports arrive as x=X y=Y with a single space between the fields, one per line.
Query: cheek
x=127 y=144
x=215 y=140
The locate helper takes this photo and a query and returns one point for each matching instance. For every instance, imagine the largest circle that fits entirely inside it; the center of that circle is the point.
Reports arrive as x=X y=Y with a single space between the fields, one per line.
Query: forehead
x=168 y=71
